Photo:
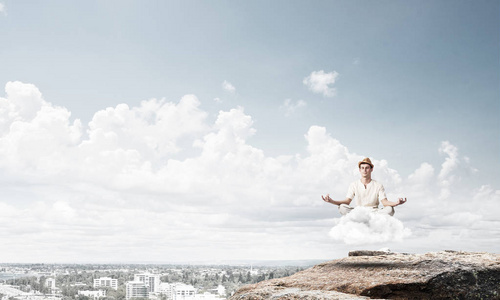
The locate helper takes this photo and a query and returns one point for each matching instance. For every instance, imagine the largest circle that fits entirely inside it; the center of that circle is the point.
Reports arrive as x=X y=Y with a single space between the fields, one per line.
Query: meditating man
x=367 y=191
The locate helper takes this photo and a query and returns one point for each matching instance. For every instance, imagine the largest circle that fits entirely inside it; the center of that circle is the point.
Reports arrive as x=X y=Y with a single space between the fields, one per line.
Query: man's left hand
x=401 y=201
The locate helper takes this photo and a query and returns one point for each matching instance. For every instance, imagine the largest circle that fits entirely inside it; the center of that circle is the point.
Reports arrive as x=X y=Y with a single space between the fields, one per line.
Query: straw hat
x=365 y=160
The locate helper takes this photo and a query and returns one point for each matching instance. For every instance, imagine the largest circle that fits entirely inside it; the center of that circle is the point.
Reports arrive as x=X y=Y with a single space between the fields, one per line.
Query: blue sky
x=412 y=85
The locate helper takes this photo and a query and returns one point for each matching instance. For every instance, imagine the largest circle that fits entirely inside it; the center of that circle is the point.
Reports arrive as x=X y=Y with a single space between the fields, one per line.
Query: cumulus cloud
x=227 y=86
x=320 y=82
x=290 y=108
x=365 y=226
x=2 y=9
x=452 y=169
x=422 y=175
x=160 y=174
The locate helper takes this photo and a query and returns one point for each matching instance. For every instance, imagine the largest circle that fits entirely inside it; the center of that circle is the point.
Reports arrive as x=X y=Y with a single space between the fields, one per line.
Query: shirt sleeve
x=381 y=193
x=351 y=191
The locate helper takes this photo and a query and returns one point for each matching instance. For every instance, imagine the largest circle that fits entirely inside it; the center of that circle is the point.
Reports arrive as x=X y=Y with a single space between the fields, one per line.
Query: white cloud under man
x=320 y=82
x=227 y=86
x=364 y=226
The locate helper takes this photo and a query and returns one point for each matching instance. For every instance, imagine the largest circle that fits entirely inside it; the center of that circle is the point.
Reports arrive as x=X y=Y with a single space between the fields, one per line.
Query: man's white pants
x=344 y=209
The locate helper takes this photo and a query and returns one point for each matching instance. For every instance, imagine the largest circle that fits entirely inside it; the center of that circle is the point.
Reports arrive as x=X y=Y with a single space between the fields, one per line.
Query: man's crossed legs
x=344 y=209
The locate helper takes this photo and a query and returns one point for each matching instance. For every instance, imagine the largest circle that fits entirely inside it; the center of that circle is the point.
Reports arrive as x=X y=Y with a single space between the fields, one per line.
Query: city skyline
x=191 y=131
x=68 y=281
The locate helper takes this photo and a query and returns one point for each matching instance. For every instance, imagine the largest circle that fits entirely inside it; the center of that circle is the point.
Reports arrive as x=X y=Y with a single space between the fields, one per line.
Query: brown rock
x=368 y=253
x=439 y=275
x=282 y=293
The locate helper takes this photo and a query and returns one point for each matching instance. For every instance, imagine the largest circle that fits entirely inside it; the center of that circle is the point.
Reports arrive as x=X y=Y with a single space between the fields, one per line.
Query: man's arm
x=386 y=202
x=336 y=202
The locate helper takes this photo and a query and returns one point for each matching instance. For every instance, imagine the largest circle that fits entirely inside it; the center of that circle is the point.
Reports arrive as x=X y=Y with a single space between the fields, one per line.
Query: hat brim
x=364 y=162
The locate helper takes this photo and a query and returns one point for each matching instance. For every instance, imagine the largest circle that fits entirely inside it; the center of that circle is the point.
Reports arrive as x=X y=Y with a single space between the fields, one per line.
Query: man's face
x=365 y=170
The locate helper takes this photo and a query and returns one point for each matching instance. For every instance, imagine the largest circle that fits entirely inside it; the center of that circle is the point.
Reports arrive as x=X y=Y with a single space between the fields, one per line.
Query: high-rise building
x=136 y=289
x=152 y=281
x=51 y=284
x=106 y=282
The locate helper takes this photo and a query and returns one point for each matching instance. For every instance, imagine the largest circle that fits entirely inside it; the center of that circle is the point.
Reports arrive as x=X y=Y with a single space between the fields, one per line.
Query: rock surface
x=437 y=275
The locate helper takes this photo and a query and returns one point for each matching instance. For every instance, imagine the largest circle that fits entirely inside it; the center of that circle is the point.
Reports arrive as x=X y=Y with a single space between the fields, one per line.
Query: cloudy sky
x=167 y=131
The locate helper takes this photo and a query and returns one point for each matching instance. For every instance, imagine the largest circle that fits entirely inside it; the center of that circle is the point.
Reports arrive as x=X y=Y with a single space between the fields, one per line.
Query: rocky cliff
x=382 y=275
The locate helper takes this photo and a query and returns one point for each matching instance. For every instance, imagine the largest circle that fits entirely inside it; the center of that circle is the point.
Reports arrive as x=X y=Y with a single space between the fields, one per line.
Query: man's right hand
x=327 y=198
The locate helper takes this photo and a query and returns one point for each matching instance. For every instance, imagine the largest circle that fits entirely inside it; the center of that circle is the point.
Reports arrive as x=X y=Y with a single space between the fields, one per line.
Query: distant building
x=152 y=281
x=207 y=296
x=50 y=283
x=214 y=294
x=180 y=291
x=77 y=284
x=106 y=282
x=136 y=289
x=165 y=288
x=93 y=294
x=221 y=290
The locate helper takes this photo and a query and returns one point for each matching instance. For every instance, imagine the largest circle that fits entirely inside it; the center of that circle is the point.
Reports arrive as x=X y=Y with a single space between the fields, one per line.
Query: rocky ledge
x=382 y=275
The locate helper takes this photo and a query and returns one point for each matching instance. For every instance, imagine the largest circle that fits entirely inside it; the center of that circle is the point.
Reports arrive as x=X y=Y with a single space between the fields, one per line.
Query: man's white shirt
x=366 y=196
